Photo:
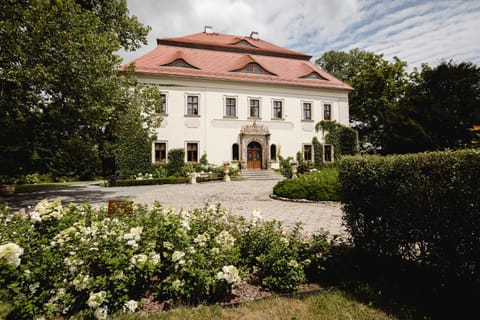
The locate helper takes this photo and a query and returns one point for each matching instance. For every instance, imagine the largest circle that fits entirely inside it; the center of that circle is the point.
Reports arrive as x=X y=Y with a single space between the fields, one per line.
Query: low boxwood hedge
x=145 y=182
x=318 y=186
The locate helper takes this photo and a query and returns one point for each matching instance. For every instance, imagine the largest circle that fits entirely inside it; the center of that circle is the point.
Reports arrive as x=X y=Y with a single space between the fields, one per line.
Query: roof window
x=314 y=75
x=180 y=63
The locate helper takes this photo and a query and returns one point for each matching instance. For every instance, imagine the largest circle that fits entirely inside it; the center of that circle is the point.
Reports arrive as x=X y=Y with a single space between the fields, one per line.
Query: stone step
x=261 y=175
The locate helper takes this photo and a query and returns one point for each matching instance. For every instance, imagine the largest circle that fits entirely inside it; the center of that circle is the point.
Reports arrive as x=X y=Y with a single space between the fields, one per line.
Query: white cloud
x=415 y=31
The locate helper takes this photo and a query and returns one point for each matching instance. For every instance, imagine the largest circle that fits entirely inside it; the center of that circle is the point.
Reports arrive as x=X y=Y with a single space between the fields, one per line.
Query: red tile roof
x=218 y=56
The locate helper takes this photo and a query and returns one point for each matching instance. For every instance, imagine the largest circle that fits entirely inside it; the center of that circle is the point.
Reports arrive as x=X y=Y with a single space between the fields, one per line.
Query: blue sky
x=415 y=31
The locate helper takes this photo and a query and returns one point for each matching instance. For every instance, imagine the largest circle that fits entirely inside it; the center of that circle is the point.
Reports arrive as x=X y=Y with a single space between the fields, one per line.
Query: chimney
x=208 y=30
x=254 y=35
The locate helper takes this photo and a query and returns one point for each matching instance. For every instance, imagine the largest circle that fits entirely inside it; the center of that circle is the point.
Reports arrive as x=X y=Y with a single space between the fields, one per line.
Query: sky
x=421 y=31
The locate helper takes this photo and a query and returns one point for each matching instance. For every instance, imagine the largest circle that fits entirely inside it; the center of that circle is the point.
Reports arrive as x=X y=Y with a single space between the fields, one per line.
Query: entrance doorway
x=254 y=156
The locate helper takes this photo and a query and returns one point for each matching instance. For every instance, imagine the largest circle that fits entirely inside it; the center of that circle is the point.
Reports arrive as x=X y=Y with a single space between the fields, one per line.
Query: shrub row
x=79 y=262
x=421 y=207
x=317 y=186
x=144 y=182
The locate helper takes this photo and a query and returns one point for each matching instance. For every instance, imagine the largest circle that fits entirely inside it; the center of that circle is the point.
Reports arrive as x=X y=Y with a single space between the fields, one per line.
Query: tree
x=445 y=101
x=58 y=84
x=131 y=130
x=378 y=87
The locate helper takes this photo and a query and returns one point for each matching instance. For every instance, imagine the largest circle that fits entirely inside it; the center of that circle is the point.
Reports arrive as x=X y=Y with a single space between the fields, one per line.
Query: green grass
x=328 y=305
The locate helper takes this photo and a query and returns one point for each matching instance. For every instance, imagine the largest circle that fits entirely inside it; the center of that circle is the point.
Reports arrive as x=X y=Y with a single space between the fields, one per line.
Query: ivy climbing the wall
x=343 y=138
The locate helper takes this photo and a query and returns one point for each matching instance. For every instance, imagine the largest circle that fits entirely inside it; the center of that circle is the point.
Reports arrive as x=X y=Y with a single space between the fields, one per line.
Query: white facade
x=215 y=130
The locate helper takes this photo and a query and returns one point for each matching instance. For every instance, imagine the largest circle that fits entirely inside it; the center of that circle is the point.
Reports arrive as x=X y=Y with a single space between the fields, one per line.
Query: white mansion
x=239 y=98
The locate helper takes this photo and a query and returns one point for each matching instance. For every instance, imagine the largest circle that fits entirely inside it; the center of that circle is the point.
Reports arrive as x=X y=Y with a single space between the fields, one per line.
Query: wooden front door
x=254 y=156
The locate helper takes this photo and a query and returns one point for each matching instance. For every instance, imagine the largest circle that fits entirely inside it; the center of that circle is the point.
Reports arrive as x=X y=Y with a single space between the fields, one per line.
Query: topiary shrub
x=176 y=161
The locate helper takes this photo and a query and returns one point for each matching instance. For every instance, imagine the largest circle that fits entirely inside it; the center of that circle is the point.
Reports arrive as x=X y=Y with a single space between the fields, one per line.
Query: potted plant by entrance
x=7 y=186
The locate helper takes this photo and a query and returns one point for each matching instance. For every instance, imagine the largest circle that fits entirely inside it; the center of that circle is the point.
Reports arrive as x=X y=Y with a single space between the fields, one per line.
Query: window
x=192 y=152
x=230 y=107
x=162 y=108
x=160 y=152
x=328 y=153
x=277 y=109
x=314 y=75
x=255 y=68
x=235 y=151
x=307 y=111
x=254 y=108
x=273 y=152
x=180 y=63
x=307 y=152
x=192 y=105
x=327 y=111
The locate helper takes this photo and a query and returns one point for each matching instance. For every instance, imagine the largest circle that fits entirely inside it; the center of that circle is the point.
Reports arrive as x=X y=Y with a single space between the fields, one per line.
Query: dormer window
x=255 y=68
x=244 y=43
x=314 y=75
x=180 y=63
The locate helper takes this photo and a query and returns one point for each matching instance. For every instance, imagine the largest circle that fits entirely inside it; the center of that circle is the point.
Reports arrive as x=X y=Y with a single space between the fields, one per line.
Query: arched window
x=273 y=152
x=235 y=151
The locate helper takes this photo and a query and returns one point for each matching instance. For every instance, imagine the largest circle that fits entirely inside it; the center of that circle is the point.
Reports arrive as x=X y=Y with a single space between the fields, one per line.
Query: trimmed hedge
x=319 y=186
x=132 y=182
x=420 y=207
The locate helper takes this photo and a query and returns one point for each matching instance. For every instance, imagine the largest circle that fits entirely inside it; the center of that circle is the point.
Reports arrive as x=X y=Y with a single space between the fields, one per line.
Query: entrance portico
x=254 y=141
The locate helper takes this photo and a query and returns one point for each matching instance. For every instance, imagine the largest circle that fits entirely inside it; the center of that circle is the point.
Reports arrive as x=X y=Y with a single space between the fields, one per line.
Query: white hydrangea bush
x=77 y=261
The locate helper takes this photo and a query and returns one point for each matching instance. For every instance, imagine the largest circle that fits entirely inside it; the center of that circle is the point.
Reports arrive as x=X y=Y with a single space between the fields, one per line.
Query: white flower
x=167 y=245
x=132 y=243
x=101 y=313
x=11 y=252
x=177 y=256
x=230 y=275
x=177 y=284
x=139 y=260
x=224 y=239
x=80 y=282
x=215 y=250
x=35 y=216
x=96 y=299
x=201 y=239
x=155 y=258
x=293 y=264
x=45 y=210
x=134 y=234
x=130 y=306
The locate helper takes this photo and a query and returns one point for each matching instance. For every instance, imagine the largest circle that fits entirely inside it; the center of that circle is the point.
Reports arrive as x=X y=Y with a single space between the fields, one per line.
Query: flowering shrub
x=77 y=261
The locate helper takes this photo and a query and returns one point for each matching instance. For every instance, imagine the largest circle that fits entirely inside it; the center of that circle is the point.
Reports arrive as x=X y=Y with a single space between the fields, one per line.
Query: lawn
x=326 y=305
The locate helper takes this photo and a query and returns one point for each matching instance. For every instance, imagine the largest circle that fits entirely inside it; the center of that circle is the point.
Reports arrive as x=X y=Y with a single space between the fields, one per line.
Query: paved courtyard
x=237 y=197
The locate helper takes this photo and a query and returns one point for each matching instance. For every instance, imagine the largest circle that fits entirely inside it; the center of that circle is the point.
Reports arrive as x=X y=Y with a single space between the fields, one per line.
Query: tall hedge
x=421 y=207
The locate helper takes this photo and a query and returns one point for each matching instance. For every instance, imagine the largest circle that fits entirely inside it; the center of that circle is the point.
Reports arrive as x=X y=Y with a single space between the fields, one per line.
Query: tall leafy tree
x=58 y=84
x=378 y=86
x=445 y=101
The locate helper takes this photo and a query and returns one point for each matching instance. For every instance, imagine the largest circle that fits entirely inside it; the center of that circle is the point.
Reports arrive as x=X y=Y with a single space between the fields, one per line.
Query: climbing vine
x=343 y=138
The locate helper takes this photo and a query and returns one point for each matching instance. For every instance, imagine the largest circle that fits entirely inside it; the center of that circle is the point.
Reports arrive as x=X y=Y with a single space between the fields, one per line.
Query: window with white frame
x=192 y=151
x=160 y=152
x=307 y=152
x=277 y=109
x=327 y=111
x=230 y=107
x=162 y=108
x=307 y=111
x=328 y=153
x=254 y=108
x=192 y=105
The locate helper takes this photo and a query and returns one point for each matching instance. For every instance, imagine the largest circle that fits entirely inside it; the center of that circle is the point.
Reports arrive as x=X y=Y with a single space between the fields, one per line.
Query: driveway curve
x=237 y=197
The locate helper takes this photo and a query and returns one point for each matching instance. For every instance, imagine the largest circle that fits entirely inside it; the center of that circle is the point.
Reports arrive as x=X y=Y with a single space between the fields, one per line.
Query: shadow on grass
x=400 y=288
